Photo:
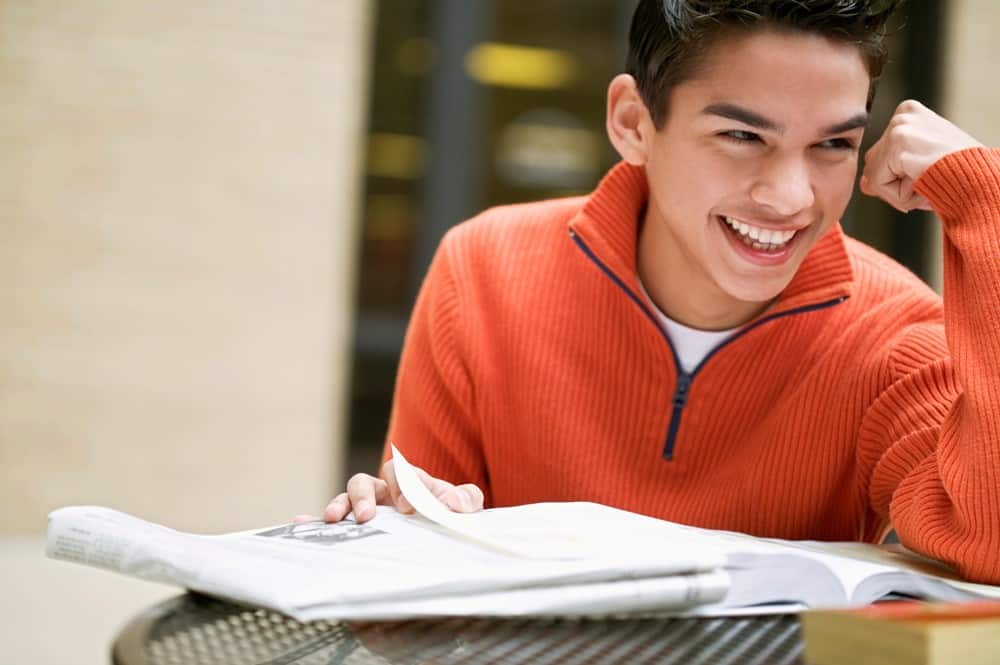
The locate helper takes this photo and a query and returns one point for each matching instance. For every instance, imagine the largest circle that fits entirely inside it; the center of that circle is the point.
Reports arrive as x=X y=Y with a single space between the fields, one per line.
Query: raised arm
x=936 y=429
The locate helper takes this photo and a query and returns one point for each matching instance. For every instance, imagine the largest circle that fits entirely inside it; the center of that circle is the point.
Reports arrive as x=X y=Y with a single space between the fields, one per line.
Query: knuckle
x=902 y=131
x=359 y=482
x=474 y=492
x=358 y=477
x=468 y=497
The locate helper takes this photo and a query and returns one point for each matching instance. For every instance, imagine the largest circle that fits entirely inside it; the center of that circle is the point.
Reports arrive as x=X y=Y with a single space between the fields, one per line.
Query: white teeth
x=760 y=238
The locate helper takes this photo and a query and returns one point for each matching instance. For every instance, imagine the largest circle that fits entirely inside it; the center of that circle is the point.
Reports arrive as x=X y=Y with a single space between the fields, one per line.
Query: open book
x=539 y=559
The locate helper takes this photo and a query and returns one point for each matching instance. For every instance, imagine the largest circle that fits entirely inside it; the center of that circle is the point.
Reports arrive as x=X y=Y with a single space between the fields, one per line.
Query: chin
x=756 y=290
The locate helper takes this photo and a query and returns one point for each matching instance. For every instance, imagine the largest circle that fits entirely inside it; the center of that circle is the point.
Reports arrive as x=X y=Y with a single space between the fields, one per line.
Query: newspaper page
x=391 y=567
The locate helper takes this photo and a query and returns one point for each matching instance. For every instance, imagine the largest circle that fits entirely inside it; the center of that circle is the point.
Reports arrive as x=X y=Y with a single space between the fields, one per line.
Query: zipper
x=684 y=379
x=680 y=401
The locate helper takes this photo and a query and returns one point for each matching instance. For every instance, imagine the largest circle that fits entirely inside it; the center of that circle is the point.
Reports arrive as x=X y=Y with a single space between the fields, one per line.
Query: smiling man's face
x=755 y=162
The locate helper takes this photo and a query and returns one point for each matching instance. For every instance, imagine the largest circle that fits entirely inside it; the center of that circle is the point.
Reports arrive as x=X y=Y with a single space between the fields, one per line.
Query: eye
x=836 y=144
x=740 y=136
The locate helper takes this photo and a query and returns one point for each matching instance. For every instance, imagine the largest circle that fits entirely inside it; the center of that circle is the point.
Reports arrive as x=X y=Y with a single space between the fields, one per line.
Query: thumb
x=864 y=186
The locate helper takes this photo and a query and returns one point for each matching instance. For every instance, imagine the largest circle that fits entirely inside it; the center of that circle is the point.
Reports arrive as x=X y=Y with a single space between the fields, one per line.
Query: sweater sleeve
x=937 y=477
x=433 y=419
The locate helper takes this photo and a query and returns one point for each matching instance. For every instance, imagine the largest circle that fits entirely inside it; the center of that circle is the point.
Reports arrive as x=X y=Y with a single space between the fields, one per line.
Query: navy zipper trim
x=684 y=380
x=628 y=291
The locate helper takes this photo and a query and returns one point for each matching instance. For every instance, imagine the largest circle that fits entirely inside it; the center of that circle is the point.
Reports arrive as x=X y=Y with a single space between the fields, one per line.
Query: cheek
x=684 y=188
x=835 y=186
x=699 y=183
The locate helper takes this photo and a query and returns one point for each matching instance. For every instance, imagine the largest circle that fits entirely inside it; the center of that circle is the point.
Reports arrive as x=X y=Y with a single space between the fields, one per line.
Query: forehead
x=783 y=73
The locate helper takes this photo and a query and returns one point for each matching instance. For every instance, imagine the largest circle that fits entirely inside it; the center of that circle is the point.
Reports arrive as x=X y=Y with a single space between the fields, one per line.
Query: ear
x=628 y=122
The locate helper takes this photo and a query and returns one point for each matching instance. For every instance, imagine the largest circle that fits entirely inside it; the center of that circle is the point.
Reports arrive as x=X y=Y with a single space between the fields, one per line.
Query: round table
x=196 y=630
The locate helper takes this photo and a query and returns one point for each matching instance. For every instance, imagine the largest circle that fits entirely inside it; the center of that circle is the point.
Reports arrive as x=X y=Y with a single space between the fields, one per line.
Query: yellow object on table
x=904 y=633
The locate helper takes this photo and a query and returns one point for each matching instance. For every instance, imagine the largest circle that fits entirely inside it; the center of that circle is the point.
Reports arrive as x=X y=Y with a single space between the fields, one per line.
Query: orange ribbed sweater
x=533 y=368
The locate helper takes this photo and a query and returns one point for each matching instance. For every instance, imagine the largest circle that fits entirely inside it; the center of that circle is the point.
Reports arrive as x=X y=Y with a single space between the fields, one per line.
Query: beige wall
x=971 y=82
x=178 y=182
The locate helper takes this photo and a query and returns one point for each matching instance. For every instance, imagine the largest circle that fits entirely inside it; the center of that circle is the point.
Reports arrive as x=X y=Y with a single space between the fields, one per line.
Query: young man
x=697 y=340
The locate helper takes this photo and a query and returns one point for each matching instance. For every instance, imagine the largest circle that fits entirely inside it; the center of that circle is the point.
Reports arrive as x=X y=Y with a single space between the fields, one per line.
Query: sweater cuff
x=963 y=184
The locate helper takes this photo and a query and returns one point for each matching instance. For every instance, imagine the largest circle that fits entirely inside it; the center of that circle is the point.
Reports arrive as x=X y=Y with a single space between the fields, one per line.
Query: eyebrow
x=856 y=122
x=748 y=117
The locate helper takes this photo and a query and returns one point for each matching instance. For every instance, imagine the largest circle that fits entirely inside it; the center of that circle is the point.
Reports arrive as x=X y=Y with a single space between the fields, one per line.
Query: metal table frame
x=196 y=630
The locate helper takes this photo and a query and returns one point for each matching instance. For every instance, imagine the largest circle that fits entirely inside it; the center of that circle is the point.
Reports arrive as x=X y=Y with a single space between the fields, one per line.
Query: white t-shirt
x=691 y=344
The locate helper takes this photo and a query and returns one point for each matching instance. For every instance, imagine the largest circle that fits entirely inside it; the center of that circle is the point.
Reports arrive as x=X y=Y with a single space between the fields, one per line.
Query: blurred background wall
x=970 y=84
x=215 y=215
x=178 y=226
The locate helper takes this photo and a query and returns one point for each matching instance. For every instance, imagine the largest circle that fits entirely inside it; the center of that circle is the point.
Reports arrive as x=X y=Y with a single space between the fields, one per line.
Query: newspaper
x=512 y=562
x=393 y=566
x=565 y=559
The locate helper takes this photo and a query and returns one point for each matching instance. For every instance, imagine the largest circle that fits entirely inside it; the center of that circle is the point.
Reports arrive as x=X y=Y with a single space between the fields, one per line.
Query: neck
x=681 y=289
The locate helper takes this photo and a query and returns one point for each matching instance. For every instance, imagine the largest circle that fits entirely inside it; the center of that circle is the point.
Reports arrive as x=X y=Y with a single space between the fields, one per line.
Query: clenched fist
x=915 y=138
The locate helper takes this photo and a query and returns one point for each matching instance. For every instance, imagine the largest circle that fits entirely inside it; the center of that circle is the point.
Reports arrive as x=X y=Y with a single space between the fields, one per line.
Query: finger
x=905 y=191
x=298 y=519
x=920 y=203
x=883 y=182
x=910 y=106
x=909 y=199
x=474 y=496
x=873 y=154
x=905 y=194
x=338 y=508
x=865 y=186
x=395 y=494
x=458 y=499
x=438 y=487
x=462 y=499
x=364 y=491
x=872 y=158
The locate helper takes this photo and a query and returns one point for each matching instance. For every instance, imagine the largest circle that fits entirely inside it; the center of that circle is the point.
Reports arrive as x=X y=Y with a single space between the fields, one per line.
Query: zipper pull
x=680 y=399
x=681 y=393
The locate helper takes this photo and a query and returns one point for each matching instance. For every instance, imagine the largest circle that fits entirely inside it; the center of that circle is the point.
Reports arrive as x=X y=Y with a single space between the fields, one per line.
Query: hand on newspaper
x=365 y=491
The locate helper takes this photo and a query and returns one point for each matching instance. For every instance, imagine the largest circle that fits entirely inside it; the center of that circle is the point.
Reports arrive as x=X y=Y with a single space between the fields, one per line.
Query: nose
x=785 y=186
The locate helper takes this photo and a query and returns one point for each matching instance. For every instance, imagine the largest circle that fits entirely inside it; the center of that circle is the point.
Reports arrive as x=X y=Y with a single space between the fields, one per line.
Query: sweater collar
x=608 y=224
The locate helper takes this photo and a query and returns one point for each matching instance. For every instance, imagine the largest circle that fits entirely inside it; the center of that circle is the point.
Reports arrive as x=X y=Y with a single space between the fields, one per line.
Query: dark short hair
x=670 y=38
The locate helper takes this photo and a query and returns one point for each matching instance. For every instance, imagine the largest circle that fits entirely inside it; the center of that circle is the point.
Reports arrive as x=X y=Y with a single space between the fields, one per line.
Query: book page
x=763 y=570
x=570 y=530
x=868 y=572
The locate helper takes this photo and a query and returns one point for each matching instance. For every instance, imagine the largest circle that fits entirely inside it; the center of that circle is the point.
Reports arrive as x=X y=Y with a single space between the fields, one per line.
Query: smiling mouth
x=758 y=238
